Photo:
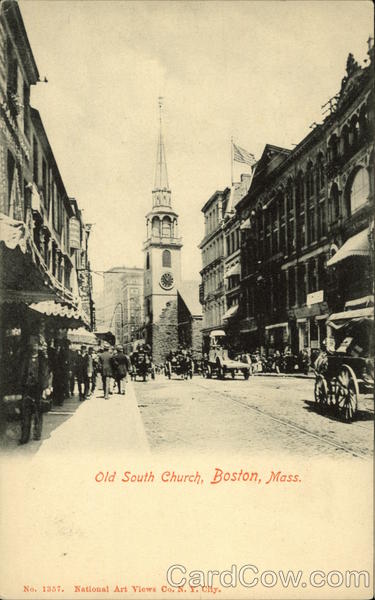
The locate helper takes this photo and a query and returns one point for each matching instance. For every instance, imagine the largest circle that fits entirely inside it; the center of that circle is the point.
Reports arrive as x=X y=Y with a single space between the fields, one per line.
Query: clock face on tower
x=166 y=281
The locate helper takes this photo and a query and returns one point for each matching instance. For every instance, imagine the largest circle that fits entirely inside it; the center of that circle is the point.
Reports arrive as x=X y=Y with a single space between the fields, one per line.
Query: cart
x=141 y=365
x=179 y=364
x=345 y=369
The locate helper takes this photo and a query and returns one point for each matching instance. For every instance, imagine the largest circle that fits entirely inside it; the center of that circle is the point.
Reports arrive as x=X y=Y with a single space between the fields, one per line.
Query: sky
x=257 y=71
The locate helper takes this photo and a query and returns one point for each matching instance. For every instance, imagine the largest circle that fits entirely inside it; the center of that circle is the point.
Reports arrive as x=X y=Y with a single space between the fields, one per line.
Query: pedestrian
x=95 y=368
x=106 y=368
x=60 y=371
x=34 y=383
x=120 y=367
x=72 y=368
x=82 y=373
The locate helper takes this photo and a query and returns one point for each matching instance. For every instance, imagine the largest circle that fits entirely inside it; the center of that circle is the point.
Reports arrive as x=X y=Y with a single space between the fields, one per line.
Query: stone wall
x=165 y=333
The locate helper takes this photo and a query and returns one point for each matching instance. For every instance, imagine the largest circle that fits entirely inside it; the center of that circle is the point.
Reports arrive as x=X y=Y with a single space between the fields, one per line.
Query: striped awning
x=358 y=245
x=66 y=316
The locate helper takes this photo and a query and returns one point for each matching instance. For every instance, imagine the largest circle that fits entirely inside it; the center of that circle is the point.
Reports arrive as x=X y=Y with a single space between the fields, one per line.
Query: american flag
x=243 y=156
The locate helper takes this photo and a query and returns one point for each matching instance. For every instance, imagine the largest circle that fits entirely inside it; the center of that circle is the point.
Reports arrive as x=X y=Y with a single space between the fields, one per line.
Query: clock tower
x=162 y=262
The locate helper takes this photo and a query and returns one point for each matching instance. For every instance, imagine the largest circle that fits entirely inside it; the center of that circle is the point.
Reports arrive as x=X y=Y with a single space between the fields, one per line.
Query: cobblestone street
x=265 y=415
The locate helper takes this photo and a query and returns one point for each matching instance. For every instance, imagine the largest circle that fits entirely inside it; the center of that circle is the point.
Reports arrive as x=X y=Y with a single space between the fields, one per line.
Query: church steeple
x=161 y=172
x=161 y=194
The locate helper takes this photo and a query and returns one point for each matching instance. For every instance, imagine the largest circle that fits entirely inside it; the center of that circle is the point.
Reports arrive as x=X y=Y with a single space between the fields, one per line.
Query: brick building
x=303 y=206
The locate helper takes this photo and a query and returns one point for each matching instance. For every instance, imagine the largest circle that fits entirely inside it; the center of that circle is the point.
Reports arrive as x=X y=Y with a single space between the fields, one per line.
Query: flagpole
x=231 y=158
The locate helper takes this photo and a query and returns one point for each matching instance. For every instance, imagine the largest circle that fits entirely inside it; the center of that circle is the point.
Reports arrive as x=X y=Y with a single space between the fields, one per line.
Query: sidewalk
x=95 y=425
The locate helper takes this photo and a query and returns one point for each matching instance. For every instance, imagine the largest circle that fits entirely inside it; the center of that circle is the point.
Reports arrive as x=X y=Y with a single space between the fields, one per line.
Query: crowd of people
x=50 y=375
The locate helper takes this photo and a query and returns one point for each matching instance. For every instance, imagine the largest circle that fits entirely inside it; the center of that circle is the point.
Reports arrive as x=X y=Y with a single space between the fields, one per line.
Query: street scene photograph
x=156 y=276
x=186 y=299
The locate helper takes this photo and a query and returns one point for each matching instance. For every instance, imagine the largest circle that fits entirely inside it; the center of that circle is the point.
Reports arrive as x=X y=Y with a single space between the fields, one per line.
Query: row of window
x=213 y=313
x=213 y=279
x=277 y=292
x=294 y=221
x=212 y=219
x=213 y=250
x=233 y=241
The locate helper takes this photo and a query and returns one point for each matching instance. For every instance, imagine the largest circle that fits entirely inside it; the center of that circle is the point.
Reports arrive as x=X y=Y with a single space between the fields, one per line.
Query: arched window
x=166 y=258
x=359 y=190
x=334 y=204
x=333 y=148
x=309 y=178
x=320 y=172
x=147 y=260
x=166 y=227
x=345 y=139
x=156 y=227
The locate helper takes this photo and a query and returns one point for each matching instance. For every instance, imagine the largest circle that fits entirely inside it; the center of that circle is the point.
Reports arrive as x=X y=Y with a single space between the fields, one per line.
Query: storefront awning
x=24 y=276
x=217 y=333
x=231 y=312
x=363 y=302
x=276 y=326
x=65 y=316
x=337 y=320
x=82 y=336
x=235 y=270
x=358 y=245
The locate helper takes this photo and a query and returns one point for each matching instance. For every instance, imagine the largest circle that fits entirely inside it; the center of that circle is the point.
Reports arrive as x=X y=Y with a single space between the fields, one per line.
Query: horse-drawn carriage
x=179 y=363
x=141 y=364
x=345 y=369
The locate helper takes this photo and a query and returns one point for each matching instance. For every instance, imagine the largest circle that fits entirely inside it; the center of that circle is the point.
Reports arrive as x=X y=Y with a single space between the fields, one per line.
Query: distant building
x=132 y=304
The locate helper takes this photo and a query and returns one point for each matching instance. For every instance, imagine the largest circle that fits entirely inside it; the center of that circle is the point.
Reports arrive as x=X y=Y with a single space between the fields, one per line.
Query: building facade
x=303 y=206
x=232 y=260
x=213 y=258
x=162 y=264
x=132 y=302
x=39 y=289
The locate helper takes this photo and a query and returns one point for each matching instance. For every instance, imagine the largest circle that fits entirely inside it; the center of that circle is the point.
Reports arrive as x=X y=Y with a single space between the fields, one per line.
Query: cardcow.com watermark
x=249 y=576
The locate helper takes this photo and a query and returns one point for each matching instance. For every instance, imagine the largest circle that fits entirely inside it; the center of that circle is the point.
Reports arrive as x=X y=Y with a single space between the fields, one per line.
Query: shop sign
x=315 y=297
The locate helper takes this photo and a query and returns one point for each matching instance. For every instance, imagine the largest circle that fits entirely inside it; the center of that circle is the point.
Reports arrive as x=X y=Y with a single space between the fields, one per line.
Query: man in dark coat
x=82 y=373
x=106 y=369
x=120 y=367
x=34 y=383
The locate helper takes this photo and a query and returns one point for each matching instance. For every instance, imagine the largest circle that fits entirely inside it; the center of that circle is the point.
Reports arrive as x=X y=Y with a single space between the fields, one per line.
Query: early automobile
x=345 y=368
x=217 y=362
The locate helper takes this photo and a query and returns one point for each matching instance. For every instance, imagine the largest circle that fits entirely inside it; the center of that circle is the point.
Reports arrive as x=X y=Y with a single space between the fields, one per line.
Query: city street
x=265 y=415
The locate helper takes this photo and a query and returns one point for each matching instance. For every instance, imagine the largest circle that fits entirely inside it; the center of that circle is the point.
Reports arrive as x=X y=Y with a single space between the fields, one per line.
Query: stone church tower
x=162 y=264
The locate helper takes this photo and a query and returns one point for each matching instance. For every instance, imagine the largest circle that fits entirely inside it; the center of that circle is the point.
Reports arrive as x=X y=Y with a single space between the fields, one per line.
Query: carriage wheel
x=321 y=391
x=347 y=392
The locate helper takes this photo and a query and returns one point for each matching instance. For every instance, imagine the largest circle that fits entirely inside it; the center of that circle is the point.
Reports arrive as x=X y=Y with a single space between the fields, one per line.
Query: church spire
x=161 y=173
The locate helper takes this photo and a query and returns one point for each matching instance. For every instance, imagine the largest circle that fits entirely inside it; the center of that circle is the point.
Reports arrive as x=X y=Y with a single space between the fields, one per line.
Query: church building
x=162 y=262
